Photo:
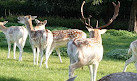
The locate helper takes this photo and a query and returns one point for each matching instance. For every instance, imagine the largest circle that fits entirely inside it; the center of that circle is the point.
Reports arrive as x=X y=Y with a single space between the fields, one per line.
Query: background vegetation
x=66 y=12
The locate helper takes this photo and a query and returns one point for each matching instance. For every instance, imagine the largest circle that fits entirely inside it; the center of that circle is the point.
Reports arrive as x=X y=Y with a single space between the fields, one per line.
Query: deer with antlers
x=40 y=39
x=61 y=37
x=16 y=35
x=88 y=51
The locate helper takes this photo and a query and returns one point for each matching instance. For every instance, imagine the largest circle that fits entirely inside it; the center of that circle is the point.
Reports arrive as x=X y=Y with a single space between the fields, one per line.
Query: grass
x=13 y=70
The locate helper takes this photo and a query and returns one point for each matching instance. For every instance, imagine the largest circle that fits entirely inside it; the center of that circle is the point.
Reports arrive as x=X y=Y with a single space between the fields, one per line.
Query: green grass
x=13 y=70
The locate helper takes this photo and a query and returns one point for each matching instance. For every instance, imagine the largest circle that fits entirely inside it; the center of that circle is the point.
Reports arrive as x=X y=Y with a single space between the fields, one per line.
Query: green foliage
x=11 y=19
x=123 y=33
x=73 y=23
x=121 y=54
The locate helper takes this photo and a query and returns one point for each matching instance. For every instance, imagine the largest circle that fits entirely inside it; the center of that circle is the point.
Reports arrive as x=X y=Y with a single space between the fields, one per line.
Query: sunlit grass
x=13 y=70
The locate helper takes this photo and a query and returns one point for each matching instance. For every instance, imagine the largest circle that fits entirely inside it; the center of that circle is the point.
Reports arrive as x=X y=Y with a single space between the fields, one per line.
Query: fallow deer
x=88 y=51
x=16 y=35
x=61 y=37
x=40 y=25
x=40 y=39
x=132 y=50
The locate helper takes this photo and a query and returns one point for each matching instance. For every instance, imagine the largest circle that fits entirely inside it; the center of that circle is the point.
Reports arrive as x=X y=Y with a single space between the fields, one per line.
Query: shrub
x=119 y=54
x=63 y=52
x=122 y=33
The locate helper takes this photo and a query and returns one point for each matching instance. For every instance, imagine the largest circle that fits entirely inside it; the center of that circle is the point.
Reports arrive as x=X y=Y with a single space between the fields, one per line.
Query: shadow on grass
x=9 y=79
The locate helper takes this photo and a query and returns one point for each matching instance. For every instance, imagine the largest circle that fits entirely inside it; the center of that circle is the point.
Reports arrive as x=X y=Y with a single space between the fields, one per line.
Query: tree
x=133 y=13
x=133 y=20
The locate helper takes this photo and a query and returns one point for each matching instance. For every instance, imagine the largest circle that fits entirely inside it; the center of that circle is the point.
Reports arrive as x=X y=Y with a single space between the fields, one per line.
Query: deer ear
x=37 y=21
x=5 y=22
x=33 y=17
x=45 y=21
x=102 y=31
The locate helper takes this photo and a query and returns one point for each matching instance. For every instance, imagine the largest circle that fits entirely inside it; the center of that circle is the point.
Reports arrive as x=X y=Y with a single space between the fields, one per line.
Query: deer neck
x=96 y=36
x=29 y=26
x=3 y=28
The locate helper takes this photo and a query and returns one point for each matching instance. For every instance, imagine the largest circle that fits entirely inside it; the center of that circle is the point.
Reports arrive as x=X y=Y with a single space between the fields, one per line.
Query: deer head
x=40 y=23
x=22 y=19
x=27 y=20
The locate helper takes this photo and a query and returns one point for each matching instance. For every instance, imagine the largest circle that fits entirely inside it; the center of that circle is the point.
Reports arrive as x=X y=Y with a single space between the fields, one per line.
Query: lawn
x=13 y=70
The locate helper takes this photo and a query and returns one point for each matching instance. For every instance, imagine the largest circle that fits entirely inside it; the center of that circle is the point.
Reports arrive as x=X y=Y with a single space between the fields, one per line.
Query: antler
x=114 y=16
x=83 y=19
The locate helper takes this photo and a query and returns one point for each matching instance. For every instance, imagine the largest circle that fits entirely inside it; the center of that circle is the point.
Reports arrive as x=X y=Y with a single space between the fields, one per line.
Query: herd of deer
x=82 y=51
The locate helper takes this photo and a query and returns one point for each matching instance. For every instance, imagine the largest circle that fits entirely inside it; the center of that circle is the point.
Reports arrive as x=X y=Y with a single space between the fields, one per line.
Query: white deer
x=60 y=38
x=132 y=50
x=16 y=35
x=88 y=51
x=40 y=39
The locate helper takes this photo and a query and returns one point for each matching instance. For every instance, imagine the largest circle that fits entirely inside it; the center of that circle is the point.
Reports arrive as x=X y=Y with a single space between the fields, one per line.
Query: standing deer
x=61 y=37
x=132 y=50
x=16 y=35
x=40 y=39
x=88 y=51
x=40 y=25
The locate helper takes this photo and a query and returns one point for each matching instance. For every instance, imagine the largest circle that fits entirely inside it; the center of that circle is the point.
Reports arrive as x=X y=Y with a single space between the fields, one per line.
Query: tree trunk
x=132 y=21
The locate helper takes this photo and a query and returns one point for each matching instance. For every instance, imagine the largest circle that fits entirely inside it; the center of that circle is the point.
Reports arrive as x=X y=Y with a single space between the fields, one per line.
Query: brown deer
x=61 y=37
x=88 y=51
x=40 y=39
x=16 y=35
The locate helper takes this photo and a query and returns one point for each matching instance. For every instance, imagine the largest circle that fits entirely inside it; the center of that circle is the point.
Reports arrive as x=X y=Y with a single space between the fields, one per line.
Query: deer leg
x=21 y=51
x=128 y=62
x=34 y=52
x=72 y=67
x=9 y=47
x=95 y=67
x=91 y=71
x=14 y=50
x=37 y=55
x=51 y=50
x=41 y=52
x=58 y=52
x=47 y=54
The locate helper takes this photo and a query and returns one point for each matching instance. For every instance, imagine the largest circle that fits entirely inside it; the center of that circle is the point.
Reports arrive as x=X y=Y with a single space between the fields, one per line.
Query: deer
x=39 y=39
x=61 y=37
x=40 y=25
x=88 y=51
x=132 y=50
x=16 y=35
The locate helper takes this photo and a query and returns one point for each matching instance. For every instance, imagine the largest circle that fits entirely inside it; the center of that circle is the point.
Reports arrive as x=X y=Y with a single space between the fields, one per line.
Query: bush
x=63 y=52
x=123 y=33
x=121 y=54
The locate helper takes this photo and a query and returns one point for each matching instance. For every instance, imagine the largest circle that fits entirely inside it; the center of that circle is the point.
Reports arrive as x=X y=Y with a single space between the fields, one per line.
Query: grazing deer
x=16 y=35
x=132 y=50
x=40 y=39
x=88 y=51
x=61 y=37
